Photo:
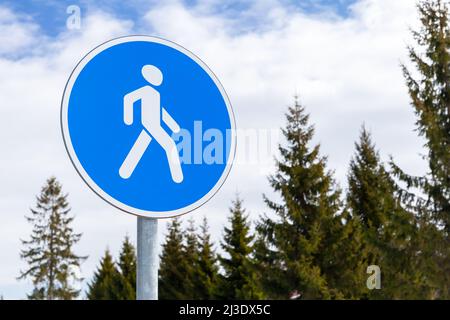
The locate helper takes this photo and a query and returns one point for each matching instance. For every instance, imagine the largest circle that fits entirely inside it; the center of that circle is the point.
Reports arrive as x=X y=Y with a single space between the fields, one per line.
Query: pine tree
x=126 y=280
x=103 y=285
x=173 y=267
x=430 y=96
x=207 y=270
x=52 y=264
x=240 y=279
x=387 y=228
x=291 y=246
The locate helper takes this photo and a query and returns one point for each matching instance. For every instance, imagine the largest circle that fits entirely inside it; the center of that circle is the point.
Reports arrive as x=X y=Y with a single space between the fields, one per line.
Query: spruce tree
x=126 y=280
x=292 y=245
x=191 y=258
x=173 y=267
x=103 y=285
x=240 y=280
x=346 y=274
x=430 y=97
x=207 y=270
x=388 y=230
x=52 y=263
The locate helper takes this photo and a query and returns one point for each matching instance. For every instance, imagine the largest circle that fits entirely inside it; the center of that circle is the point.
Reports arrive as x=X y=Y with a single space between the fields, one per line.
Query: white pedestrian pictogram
x=151 y=115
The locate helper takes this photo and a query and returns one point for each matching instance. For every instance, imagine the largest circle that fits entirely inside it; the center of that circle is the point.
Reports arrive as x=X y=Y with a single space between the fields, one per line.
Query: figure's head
x=152 y=74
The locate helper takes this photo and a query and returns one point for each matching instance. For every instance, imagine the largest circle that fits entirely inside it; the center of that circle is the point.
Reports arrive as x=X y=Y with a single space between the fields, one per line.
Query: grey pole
x=147 y=259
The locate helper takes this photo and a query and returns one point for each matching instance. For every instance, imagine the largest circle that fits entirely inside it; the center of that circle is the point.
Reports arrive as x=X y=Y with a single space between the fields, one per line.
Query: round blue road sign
x=148 y=126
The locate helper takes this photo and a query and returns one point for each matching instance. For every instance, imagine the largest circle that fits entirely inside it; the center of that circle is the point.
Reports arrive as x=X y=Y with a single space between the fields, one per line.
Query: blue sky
x=51 y=14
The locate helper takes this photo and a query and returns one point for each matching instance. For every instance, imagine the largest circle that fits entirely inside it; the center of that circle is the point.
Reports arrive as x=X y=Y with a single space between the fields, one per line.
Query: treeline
x=318 y=240
x=189 y=266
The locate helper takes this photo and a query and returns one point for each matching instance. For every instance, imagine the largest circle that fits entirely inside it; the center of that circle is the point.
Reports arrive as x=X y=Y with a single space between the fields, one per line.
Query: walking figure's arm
x=171 y=123
x=128 y=102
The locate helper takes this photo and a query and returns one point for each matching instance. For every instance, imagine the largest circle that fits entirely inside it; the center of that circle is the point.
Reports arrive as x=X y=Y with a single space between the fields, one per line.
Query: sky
x=342 y=58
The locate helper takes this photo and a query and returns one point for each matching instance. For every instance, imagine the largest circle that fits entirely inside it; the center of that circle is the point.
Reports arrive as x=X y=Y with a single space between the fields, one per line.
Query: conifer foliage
x=430 y=99
x=239 y=280
x=103 y=285
x=52 y=263
x=126 y=281
x=191 y=258
x=188 y=266
x=207 y=272
x=388 y=230
x=291 y=245
x=115 y=281
x=173 y=266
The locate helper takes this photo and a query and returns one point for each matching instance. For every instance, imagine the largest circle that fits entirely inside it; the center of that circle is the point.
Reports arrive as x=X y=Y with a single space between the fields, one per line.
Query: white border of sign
x=87 y=179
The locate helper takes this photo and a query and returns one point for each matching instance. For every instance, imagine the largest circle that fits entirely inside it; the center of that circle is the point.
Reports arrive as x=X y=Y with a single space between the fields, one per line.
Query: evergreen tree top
x=52 y=263
x=127 y=259
x=365 y=150
x=237 y=237
x=292 y=246
x=106 y=264
x=240 y=280
x=371 y=194
x=430 y=98
x=103 y=285
x=305 y=184
x=173 y=266
x=191 y=239
x=205 y=243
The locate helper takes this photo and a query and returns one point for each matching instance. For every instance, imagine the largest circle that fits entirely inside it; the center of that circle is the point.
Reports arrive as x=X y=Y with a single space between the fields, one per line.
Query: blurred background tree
x=52 y=264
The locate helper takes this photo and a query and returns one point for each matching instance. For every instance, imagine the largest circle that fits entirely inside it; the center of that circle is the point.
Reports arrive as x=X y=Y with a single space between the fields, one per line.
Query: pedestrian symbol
x=151 y=121
x=148 y=126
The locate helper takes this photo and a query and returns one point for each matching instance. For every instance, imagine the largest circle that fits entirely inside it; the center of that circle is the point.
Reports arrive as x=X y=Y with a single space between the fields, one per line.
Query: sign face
x=148 y=126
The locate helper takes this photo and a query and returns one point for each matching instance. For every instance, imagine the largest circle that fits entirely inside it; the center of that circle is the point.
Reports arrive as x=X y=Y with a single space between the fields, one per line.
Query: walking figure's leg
x=135 y=154
x=174 y=162
x=173 y=157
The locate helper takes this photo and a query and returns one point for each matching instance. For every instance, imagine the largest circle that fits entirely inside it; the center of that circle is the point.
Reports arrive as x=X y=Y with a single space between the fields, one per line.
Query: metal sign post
x=150 y=129
x=147 y=259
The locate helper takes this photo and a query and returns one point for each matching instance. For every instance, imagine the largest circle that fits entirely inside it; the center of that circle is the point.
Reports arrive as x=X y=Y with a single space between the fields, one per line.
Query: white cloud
x=345 y=70
x=18 y=32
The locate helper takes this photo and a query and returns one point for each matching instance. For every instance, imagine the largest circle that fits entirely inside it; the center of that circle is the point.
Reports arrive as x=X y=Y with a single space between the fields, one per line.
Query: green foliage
x=429 y=196
x=347 y=252
x=191 y=257
x=240 y=279
x=114 y=281
x=125 y=283
x=173 y=266
x=291 y=246
x=388 y=230
x=103 y=285
x=207 y=270
x=188 y=267
x=52 y=264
